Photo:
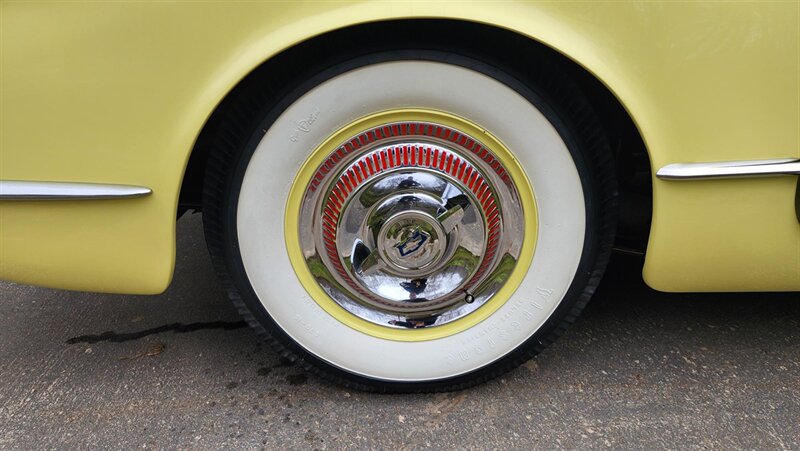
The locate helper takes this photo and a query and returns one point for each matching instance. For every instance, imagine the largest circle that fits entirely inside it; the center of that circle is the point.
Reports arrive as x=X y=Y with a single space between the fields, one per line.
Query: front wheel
x=411 y=220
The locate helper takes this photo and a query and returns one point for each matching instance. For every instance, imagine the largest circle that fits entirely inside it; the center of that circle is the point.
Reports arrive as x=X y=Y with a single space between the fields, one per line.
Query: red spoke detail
x=340 y=190
x=339 y=193
x=376 y=162
x=347 y=184
x=467 y=174
x=333 y=199
x=329 y=231
x=356 y=173
x=352 y=178
x=485 y=196
x=384 y=162
x=481 y=189
x=332 y=254
x=494 y=221
x=333 y=213
x=329 y=223
x=453 y=168
x=370 y=167
x=491 y=209
x=327 y=218
x=461 y=168
x=475 y=178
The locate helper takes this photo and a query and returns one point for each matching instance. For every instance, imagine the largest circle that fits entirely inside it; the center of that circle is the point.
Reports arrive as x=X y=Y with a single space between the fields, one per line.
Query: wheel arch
x=633 y=163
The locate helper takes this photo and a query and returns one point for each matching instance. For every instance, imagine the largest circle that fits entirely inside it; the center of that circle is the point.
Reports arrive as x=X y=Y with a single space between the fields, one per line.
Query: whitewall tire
x=328 y=290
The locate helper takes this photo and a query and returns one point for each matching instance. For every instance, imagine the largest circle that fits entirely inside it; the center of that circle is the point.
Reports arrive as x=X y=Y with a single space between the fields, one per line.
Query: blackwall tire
x=295 y=275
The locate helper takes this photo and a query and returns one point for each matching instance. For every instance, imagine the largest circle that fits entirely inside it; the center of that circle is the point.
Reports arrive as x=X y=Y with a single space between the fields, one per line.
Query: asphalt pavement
x=639 y=370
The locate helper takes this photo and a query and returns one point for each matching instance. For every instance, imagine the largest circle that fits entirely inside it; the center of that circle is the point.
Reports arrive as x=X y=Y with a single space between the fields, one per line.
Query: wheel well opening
x=630 y=153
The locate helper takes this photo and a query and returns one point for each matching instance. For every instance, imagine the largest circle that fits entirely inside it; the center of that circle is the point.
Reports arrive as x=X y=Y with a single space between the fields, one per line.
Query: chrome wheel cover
x=411 y=225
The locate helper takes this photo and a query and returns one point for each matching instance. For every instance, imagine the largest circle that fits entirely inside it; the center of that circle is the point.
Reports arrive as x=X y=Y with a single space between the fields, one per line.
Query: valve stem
x=469 y=298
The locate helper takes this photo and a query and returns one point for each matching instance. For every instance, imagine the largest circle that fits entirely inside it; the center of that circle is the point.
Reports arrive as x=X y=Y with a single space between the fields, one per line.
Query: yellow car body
x=119 y=92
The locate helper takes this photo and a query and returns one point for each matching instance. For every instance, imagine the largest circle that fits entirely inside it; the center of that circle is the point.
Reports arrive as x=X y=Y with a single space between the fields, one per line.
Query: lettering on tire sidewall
x=499 y=331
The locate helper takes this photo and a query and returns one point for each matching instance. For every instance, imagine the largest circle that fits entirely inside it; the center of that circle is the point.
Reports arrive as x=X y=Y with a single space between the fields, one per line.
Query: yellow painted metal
x=117 y=92
x=321 y=153
x=726 y=235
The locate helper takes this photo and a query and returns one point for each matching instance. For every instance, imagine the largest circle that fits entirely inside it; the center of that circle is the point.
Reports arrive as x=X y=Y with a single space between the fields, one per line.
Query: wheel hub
x=411 y=241
x=412 y=225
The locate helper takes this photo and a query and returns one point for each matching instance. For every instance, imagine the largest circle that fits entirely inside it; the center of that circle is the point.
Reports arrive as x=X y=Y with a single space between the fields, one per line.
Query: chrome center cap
x=412 y=241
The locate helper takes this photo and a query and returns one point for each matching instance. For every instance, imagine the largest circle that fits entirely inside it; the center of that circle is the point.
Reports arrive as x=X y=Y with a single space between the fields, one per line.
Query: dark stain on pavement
x=297 y=379
x=179 y=328
x=284 y=363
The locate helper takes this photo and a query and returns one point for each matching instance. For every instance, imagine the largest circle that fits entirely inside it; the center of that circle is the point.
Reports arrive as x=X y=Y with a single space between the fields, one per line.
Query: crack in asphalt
x=113 y=337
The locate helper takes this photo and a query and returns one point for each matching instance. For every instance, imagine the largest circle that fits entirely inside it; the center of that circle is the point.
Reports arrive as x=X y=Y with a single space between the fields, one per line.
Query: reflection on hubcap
x=411 y=224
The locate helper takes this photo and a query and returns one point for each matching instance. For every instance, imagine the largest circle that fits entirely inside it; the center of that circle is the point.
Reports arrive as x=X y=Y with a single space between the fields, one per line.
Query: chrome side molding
x=28 y=190
x=729 y=169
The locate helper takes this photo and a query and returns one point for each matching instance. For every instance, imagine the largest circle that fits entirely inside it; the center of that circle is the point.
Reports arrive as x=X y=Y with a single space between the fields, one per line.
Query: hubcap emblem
x=412 y=240
x=412 y=243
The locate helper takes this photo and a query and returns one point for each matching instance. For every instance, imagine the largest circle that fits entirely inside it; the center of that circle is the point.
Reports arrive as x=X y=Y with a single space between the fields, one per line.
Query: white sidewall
x=410 y=84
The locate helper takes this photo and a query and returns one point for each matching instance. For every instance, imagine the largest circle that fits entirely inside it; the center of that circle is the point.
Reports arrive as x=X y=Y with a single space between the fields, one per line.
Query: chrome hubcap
x=411 y=225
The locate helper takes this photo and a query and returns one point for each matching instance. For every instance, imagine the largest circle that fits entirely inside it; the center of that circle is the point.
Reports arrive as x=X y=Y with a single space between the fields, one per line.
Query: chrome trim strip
x=27 y=190
x=727 y=169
